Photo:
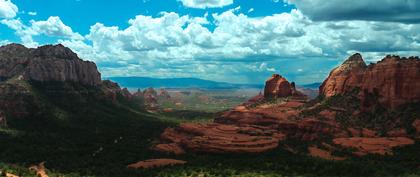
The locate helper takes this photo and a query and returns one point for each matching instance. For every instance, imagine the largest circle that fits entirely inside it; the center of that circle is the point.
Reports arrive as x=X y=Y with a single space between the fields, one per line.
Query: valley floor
x=102 y=142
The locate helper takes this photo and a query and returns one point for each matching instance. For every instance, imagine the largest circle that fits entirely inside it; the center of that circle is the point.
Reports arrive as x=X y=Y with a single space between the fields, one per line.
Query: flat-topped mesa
x=46 y=63
x=277 y=87
x=393 y=81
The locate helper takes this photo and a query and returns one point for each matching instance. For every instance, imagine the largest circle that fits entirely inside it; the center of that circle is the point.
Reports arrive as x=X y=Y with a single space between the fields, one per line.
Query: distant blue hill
x=312 y=86
x=145 y=82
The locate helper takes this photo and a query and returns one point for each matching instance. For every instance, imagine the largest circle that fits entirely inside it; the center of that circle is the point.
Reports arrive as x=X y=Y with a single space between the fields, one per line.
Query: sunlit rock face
x=46 y=63
x=392 y=82
x=278 y=87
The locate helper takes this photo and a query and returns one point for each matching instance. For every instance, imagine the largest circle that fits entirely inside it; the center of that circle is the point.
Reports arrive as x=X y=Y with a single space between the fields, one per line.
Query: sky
x=237 y=41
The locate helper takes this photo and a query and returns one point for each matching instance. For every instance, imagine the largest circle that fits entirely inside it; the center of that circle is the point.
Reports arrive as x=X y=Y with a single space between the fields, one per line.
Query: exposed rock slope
x=392 y=82
x=46 y=63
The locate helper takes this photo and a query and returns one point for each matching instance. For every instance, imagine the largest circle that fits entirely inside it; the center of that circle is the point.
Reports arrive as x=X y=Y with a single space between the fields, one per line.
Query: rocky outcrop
x=150 y=97
x=112 y=90
x=382 y=145
x=221 y=138
x=345 y=77
x=155 y=163
x=392 y=82
x=321 y=153
x=277 y=87
x=45 y=64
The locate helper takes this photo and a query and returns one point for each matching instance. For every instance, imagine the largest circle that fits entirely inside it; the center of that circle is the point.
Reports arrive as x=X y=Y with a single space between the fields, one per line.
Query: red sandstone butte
x=277 y=86
x=393 y=81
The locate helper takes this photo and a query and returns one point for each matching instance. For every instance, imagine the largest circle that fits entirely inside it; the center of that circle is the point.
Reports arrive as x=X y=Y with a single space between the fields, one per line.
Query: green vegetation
x=77 y=135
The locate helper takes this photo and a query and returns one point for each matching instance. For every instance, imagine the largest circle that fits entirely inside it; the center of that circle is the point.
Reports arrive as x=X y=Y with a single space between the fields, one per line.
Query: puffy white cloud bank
x=52 y=27
x=7 y=9
x=181 y=46
x=235 y=48
x=202 y=4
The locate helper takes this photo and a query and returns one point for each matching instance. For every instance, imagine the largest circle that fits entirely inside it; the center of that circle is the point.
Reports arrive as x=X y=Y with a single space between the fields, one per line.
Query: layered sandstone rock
x=45 y=64
x=155 y=163
x=392 y=82
x=321 y=153
x=277 y=86
x=220 y=138
x=381 y=146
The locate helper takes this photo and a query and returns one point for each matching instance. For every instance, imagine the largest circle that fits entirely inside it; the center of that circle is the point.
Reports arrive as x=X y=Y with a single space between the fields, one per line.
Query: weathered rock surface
x=220 y=138
x=345 y=77
x=46 y=63
x=321 y=153
x=171 y=148
x=277 y=86
x=392 y=82
x=381 y=145
x=155 y=163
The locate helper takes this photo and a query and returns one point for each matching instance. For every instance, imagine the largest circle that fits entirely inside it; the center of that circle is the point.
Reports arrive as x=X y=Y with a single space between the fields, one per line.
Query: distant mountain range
x=145 y=82
x=312 y=86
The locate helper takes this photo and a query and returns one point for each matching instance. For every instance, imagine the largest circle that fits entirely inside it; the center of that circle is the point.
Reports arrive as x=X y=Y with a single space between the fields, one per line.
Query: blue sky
x=240 y=41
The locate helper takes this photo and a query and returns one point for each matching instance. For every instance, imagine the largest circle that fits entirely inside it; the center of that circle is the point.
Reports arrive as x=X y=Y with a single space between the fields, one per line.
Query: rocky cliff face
x=392 y=82
x=46 y=63
x=277 y=86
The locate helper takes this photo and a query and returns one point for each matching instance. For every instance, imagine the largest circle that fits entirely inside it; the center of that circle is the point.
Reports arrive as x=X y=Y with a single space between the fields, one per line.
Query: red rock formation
x=220 y=138
x=46 y=63
x=150 y=97
x=392 y=82
x=324 y=154
x=382 y=146
x=155 y=163
x=345 y=77
x=277 y=86
x=171 y=148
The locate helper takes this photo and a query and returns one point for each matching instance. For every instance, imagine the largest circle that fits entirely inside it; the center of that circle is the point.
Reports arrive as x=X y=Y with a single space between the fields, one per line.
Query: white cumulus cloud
x=202 y=4
x=53 y=27
x=7 y=9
